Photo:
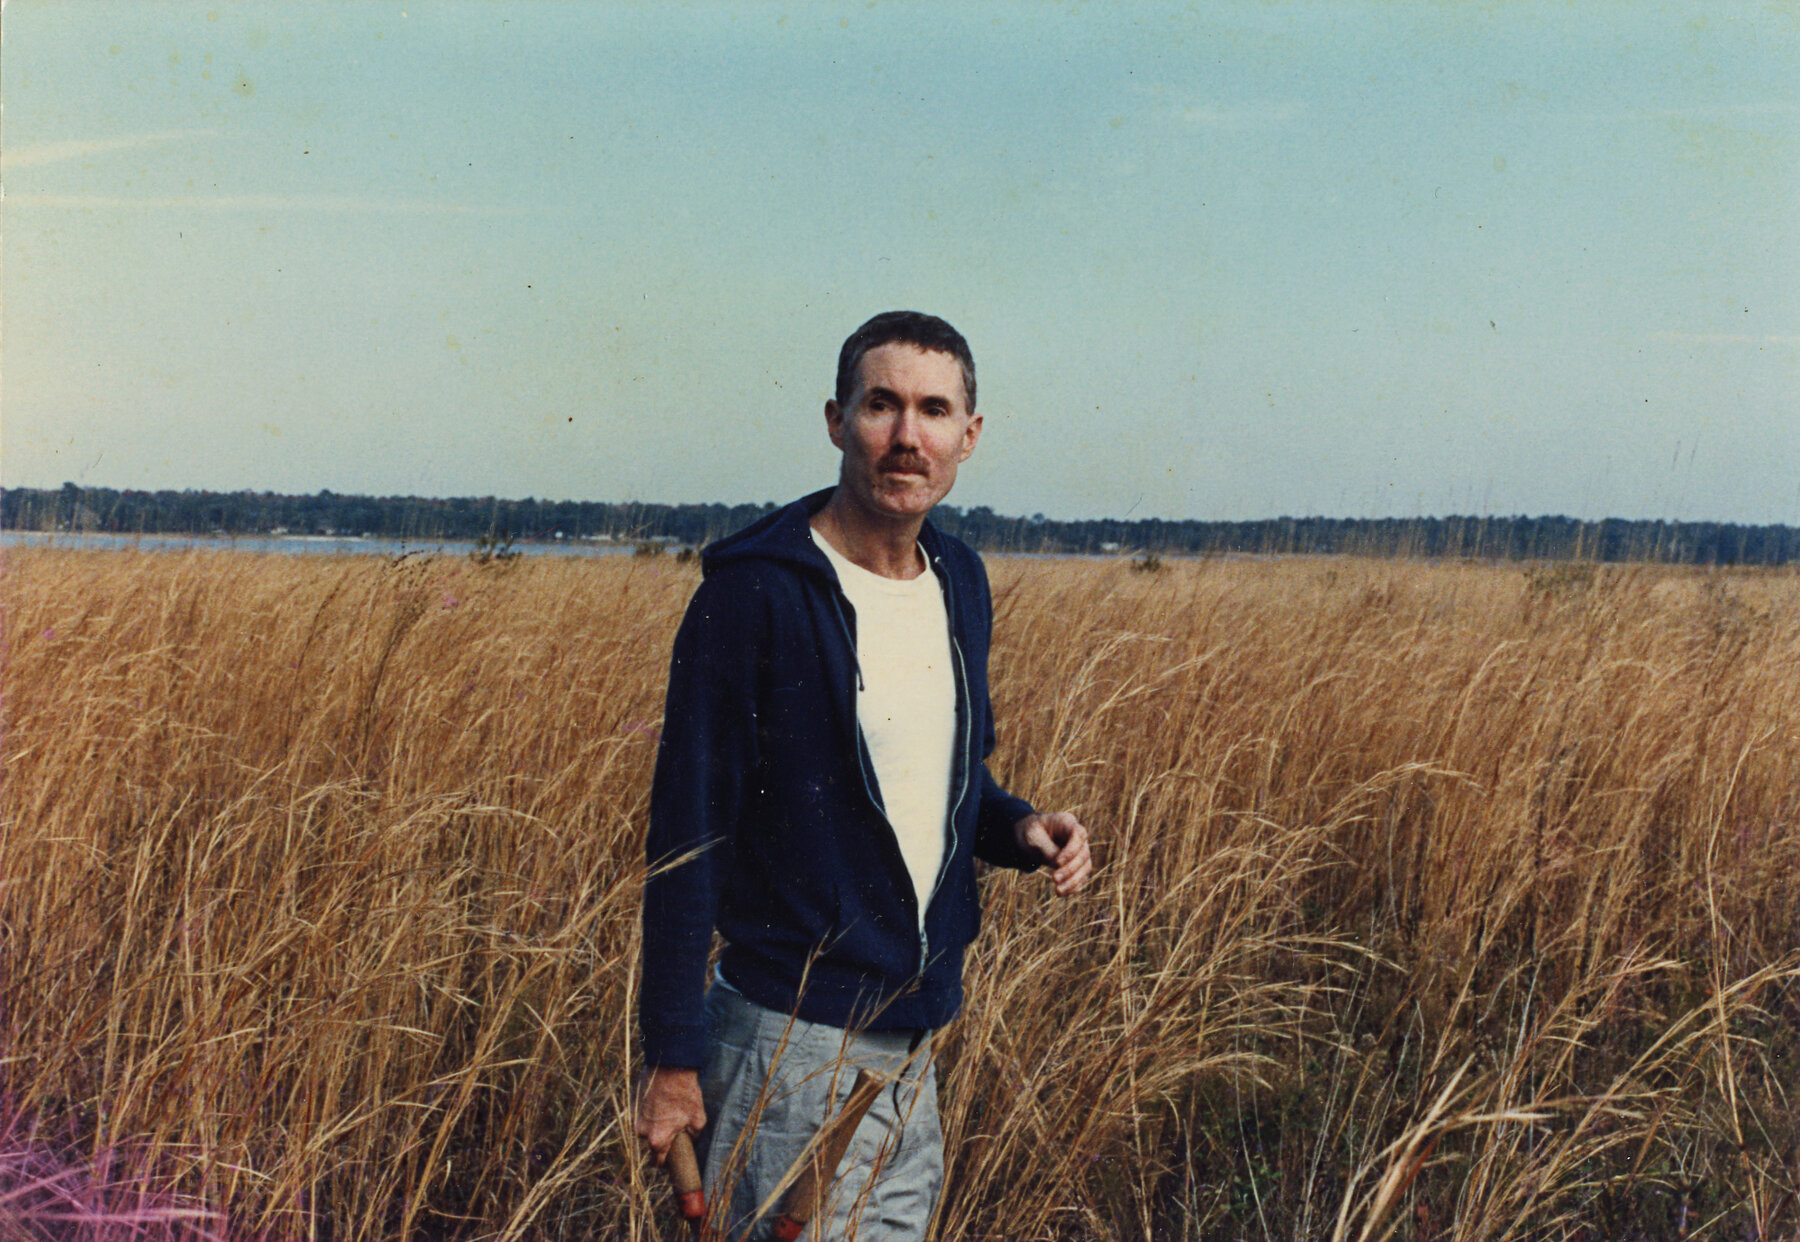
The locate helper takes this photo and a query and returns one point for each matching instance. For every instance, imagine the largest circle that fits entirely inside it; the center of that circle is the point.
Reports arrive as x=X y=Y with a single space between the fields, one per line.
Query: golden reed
x=1437 y=901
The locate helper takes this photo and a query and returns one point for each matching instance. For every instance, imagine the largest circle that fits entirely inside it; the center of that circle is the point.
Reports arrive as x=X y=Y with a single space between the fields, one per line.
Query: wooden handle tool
x=684 y=1171
x=807 y=1195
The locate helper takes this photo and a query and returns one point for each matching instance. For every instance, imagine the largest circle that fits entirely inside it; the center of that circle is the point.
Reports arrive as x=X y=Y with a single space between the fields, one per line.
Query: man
x=820 y=798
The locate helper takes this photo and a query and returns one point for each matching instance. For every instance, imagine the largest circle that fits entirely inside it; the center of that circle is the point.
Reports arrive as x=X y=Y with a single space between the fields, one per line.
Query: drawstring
x=837 y=604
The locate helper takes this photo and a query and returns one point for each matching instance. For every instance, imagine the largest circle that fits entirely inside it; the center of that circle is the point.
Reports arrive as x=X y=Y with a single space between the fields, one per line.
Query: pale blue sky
x=1215 y=261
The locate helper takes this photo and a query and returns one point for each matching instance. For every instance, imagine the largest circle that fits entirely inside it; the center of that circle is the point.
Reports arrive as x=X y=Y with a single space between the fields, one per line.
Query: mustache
x=903 y=463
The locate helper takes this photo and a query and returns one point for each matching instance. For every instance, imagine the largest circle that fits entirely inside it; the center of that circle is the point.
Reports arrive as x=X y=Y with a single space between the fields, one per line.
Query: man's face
x=905 y=431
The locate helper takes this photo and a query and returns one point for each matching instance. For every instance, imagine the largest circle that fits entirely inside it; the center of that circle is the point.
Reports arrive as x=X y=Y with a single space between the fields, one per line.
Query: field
x=1460 y=901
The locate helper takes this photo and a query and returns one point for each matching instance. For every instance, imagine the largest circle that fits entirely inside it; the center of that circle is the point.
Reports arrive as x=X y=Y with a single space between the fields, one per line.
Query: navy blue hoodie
x=765 y=816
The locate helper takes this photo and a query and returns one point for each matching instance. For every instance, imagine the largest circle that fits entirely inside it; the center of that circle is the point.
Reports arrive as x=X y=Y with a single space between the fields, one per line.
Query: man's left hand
x=1063 y=842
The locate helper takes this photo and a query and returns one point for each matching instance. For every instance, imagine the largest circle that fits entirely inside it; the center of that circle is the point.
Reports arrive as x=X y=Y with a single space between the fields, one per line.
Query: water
x=352 y=545
x=311 y=545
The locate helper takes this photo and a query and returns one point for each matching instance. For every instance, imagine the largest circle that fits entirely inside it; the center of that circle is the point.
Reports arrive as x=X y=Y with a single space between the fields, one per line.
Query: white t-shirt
x=906 y=705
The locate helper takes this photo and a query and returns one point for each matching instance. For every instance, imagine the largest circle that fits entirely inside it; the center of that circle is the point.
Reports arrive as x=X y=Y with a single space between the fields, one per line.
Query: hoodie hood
x=786 y=535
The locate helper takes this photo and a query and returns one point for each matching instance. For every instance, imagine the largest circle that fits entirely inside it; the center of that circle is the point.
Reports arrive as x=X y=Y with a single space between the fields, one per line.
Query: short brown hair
x=926 y=332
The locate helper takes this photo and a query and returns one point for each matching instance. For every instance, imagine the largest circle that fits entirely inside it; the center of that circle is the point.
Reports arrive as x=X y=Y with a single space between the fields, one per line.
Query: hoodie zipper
x=961 y=756
x=965 y=710
x=862 y=769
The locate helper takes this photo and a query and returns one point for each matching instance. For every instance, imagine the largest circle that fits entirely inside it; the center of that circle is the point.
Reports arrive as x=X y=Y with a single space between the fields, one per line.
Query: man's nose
x=906 y=427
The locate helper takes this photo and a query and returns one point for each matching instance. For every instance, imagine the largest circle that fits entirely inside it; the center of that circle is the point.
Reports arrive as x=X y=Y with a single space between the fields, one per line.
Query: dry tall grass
x=1436 y=902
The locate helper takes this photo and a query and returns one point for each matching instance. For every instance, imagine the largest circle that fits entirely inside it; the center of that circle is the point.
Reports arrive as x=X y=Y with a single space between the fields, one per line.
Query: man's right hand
x=668 y=1102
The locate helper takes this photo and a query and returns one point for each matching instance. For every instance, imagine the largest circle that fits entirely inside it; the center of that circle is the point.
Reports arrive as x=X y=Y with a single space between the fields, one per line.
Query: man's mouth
x=903 y=467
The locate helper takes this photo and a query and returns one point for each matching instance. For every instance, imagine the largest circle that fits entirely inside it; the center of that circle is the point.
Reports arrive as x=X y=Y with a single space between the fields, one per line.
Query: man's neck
x=887 y=547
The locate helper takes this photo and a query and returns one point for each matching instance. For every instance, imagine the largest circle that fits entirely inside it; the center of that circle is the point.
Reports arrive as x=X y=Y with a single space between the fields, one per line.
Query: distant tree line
x=106 y=510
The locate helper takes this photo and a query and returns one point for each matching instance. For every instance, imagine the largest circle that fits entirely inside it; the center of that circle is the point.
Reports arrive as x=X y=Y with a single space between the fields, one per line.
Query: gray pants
x=771 y=1080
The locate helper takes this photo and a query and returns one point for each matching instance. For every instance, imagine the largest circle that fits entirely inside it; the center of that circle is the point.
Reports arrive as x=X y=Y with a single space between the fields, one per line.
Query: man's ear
x=971 y=434
x=834 y=423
